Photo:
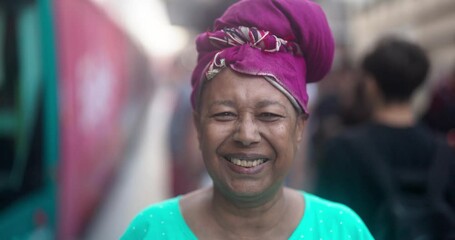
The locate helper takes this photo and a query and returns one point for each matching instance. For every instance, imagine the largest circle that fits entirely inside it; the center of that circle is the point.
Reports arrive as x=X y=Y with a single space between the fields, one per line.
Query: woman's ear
x=197 y=125
x=300 y=127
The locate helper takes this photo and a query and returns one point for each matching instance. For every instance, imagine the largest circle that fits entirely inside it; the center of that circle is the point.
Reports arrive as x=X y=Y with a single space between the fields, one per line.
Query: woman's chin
x=249 y=190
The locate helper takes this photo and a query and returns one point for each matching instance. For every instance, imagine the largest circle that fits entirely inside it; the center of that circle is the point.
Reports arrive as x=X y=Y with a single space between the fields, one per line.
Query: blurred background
x=95 y=119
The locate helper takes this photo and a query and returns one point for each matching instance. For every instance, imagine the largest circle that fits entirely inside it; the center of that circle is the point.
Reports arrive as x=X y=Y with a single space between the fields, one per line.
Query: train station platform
x=143 y=178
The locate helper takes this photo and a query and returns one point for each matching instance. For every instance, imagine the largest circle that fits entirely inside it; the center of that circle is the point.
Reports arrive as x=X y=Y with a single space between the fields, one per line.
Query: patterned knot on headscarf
x=260 y=39
x=231 y=37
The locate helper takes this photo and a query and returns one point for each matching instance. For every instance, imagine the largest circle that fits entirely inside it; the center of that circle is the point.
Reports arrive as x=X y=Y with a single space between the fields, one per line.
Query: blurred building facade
x=428 y=22
x=358 y=24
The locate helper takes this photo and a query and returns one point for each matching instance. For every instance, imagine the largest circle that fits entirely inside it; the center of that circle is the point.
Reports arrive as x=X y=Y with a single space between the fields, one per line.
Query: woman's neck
x=395 y=115
x=247 y=220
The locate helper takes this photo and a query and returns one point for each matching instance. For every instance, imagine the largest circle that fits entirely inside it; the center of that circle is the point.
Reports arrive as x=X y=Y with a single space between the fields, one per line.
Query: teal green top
x=322 y=219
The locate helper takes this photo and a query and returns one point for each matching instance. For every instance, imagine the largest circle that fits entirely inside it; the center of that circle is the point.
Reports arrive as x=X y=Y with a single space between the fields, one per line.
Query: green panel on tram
x=27 y=106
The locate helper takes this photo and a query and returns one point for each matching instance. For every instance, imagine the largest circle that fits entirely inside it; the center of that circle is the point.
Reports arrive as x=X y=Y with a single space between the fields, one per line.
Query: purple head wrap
x=289 y=42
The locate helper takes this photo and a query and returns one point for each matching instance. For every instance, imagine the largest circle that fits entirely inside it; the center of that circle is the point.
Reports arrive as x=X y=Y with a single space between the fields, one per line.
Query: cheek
x=213 y=135
x=284 y=138
x=285 y=132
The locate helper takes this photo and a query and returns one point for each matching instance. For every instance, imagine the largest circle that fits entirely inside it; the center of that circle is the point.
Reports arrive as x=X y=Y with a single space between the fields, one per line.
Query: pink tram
x=73 y=88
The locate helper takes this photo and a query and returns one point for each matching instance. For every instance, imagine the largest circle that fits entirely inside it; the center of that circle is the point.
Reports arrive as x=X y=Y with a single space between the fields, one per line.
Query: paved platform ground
x=142 y=179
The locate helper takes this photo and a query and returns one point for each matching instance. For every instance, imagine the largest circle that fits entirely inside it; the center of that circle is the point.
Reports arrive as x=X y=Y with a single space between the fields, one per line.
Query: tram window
x=21 y=101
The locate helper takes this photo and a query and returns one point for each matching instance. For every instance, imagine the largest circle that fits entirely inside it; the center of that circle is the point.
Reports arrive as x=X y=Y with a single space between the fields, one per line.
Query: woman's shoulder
x=163 y=206
x=162 y=210
x=333 y=220
x=331 y=207
x=155 y=220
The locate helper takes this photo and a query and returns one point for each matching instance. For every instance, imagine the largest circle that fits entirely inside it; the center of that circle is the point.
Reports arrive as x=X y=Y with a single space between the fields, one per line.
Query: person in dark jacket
x=392 y=171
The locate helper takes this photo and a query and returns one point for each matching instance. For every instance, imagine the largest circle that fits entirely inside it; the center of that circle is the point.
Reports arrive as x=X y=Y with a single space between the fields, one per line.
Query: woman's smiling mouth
x=246 y=161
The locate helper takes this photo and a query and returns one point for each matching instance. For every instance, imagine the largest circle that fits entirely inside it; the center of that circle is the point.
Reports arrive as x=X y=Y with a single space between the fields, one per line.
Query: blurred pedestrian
x=440 y=115
x=392 y=171
x=187 y=169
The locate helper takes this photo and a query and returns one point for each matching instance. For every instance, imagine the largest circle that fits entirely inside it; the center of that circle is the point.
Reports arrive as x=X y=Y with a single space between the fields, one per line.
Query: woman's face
x=248 y=133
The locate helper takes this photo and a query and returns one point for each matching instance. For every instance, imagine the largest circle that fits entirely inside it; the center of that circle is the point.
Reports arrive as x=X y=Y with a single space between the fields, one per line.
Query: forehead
x=230 y=86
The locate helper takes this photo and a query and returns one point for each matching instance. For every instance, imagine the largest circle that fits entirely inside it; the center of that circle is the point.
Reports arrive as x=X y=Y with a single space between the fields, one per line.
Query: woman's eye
x=224 y=116
x=269 y=117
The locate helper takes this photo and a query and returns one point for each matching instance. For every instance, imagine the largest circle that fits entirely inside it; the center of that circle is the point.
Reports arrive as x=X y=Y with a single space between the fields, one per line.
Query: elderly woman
x=250 y=106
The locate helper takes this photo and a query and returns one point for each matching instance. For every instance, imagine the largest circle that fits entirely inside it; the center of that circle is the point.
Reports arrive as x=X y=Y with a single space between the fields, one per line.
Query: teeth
x=247 y=163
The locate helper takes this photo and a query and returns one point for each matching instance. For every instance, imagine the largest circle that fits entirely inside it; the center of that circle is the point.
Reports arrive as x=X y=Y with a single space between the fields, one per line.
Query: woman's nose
x=247 y=132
